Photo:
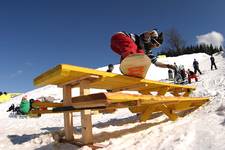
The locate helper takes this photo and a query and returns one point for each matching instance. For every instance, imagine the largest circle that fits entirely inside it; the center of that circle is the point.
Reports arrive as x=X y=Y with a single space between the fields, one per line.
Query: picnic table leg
x=86 y=122
x=68 y=116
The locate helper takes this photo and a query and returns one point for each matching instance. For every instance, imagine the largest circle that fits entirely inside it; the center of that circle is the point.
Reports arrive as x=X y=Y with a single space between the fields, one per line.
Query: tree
x=174 y=41
x=221 y=48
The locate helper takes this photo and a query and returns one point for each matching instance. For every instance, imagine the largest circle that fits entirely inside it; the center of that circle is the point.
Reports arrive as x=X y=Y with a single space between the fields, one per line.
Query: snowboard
x=135 y=65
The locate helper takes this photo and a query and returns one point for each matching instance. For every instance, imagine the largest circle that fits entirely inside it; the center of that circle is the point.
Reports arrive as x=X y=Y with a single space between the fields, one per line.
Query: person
x=182 y=72
x=191 y=75
x=124 y=44
x=175 y=70
x=110 y=68
x=24 y=105
x=170 y=74
x=196 y=66
x=212 y=59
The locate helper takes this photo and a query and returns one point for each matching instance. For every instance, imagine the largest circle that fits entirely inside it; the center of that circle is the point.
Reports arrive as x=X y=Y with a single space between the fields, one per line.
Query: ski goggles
x=154 y=42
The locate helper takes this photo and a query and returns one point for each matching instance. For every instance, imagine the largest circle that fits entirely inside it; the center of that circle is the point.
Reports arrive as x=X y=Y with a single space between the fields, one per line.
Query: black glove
x=160 y=38
x=171 y=66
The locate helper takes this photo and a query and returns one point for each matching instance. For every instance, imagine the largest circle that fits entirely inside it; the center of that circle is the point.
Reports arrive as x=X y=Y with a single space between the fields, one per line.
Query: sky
x=38 y=35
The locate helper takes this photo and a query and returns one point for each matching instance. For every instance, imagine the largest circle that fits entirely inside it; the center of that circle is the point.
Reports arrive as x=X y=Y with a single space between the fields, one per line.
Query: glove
x=160 y=38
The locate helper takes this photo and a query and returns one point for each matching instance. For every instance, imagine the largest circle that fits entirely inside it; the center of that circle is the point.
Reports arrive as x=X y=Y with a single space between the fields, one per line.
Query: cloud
x=29 y=64
x=214 y=38
x=17 y=73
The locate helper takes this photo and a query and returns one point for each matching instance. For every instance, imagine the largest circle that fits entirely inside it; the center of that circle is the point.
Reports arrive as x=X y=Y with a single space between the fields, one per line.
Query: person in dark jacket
x=196 y=66
x=110 y=68
x=170 y=75
x=124 y=44
x=212 y=59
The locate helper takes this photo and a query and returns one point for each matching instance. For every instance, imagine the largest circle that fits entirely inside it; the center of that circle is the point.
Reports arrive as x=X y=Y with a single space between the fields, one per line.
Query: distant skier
x=191 y=75
x=212 y=59
x=196 y=66
x=124 y=44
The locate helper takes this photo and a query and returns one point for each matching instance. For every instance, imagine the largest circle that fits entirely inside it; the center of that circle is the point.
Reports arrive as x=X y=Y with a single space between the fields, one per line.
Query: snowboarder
x=212 y=59
x=124 y=44
x=191 y=75
x=196 y=66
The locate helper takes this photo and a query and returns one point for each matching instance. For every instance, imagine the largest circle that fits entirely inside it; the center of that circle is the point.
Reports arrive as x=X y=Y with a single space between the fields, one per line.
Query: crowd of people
x=180 y=75
x=1 y=93
x=25 y=106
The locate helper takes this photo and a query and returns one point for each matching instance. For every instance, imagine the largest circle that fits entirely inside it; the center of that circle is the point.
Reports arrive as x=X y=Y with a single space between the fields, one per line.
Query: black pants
x=197 y=69
x=213 y=64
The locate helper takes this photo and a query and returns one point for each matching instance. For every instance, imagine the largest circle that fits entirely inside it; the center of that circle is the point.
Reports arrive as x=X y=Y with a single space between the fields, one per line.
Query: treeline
x=203 y=48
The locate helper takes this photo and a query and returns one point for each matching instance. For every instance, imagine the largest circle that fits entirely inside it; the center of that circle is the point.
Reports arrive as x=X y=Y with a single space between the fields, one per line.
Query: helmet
x=156 y=37
x=154 y=33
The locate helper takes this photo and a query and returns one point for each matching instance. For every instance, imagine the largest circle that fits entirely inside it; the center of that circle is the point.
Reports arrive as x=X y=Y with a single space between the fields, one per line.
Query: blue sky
x=38 y=35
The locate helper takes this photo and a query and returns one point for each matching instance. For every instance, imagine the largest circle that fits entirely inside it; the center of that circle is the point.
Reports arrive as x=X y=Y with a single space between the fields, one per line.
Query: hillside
x=204 y=129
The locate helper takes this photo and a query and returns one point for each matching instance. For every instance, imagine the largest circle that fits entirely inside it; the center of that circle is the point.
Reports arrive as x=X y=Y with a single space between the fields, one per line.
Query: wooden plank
x=46 y=104
x=75 y=82
x=92 y=100
x=169 y=112
x=113 y=98
x=86 y=122
x=65 y=73
x=130 y=87
x=163 y=91
x=68 y=116
x=146 y=114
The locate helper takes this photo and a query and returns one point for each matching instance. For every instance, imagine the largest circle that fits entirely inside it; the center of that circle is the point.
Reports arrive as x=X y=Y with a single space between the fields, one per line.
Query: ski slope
x=203 y=129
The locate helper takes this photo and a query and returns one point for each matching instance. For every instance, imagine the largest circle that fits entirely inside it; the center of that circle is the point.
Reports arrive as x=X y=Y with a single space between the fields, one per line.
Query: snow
x=203 y=129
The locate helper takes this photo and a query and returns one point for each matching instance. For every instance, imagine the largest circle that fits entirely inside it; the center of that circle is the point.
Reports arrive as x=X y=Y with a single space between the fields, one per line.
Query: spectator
x=24 y=105
x=191 y=75
x=182 y=72
x=110 y=68
x=196 y=66
x=175 y=70
x=212 y=59
x=170 y=74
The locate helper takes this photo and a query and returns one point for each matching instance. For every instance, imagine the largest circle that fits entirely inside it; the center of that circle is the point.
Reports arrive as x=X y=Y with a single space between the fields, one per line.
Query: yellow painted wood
x=169 y=112
x=162 y=91
x=148 y=99
x=64 y=73
x=138 y=109
x=146 y=114
x=46 y=104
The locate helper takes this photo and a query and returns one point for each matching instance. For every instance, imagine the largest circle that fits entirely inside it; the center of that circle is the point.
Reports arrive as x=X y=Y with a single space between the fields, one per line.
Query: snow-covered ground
x=203 y=129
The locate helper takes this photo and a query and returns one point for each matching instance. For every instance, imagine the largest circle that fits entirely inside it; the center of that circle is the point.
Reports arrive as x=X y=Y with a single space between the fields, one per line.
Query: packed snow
x=203 y=129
